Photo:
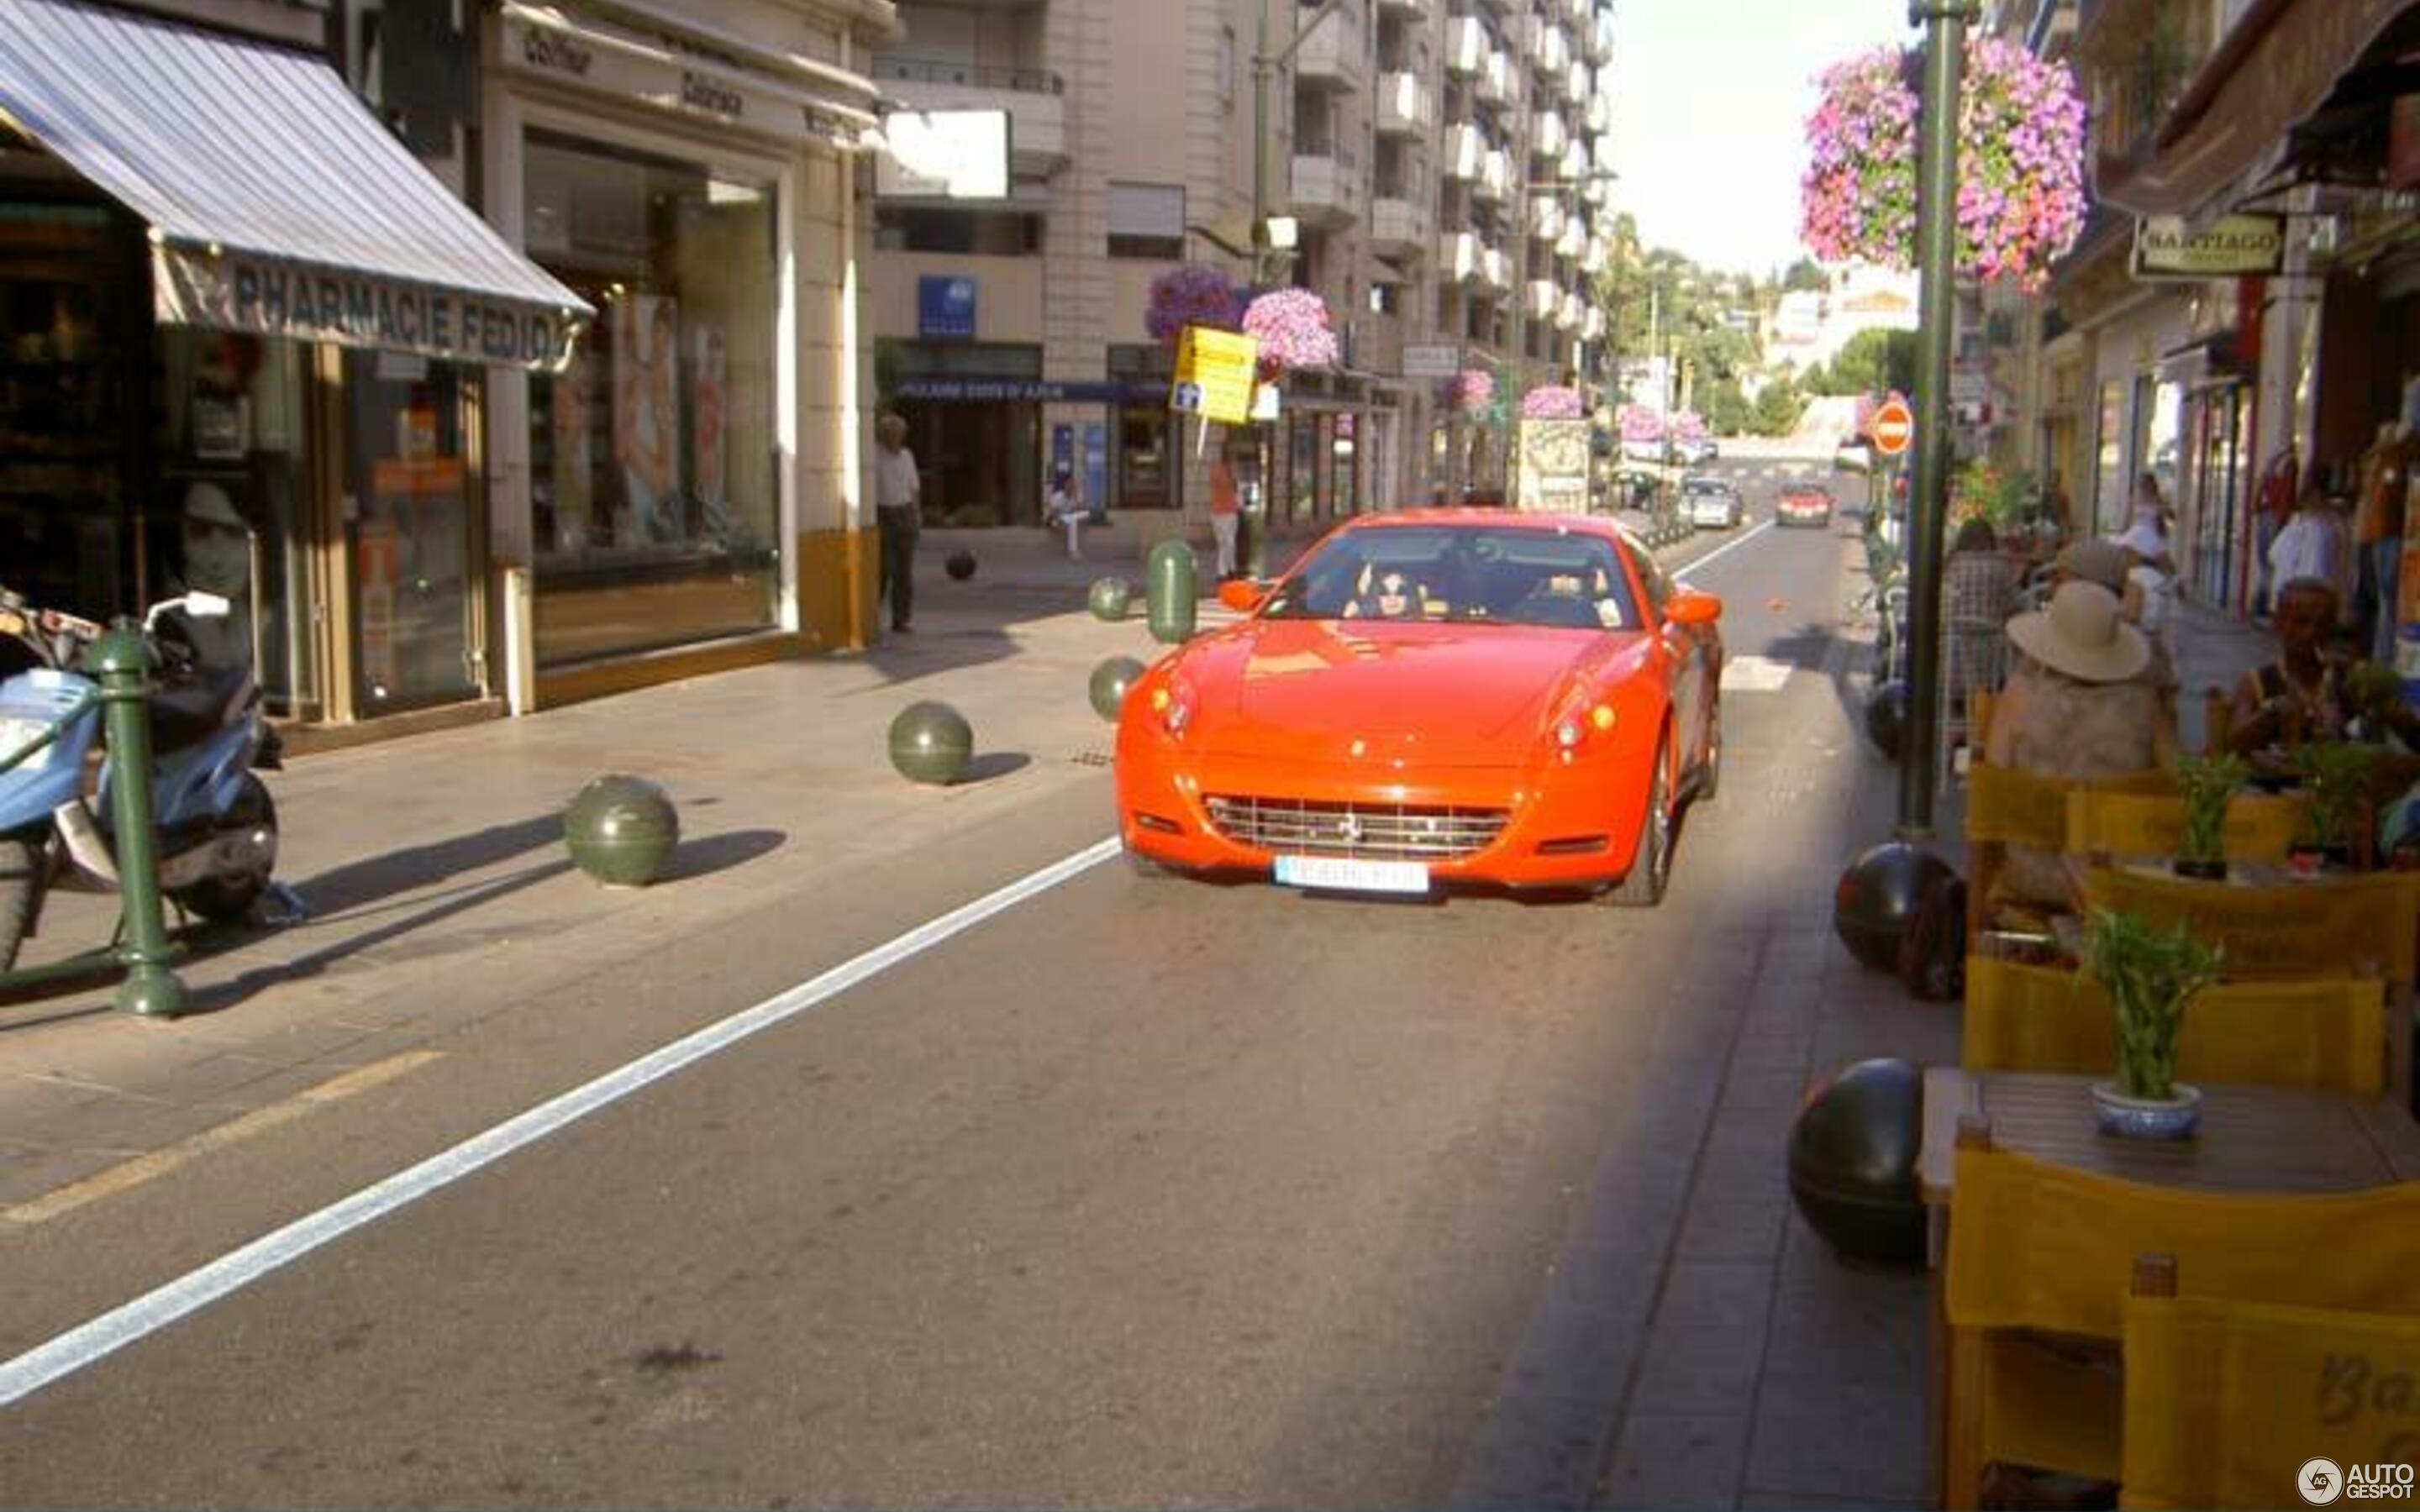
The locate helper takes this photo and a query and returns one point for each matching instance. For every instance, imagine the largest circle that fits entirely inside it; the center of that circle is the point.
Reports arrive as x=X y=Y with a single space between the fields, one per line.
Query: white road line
x=1721 y=551
x=120 y=1326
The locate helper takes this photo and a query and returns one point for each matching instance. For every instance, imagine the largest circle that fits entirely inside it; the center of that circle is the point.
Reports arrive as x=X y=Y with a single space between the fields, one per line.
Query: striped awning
x=278 y=205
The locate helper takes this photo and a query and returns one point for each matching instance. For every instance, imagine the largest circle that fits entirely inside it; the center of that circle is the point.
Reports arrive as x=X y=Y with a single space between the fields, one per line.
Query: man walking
x=898 y=495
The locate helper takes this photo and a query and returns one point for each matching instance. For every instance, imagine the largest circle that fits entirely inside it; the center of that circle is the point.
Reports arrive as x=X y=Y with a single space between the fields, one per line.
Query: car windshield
x=1473 y=574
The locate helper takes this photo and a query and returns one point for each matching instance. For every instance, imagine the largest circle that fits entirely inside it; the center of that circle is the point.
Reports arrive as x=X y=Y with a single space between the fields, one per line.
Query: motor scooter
x=217 y=842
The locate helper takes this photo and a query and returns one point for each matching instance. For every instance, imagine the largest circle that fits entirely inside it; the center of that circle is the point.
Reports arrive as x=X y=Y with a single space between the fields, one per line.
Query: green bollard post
x=1170 y=592
x=120 y=661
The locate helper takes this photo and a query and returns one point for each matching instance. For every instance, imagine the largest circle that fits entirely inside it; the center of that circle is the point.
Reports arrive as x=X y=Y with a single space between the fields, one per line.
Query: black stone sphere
x=1886 y=718
x=621 y=830
x=1109 y=598
x=959 y=564
x=1111 y=680
x=1852 y=1163
x=931 y=743
x=1877 y=895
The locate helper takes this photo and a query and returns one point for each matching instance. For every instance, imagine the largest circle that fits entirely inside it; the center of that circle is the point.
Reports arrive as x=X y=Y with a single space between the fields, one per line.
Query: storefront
x=246 y=351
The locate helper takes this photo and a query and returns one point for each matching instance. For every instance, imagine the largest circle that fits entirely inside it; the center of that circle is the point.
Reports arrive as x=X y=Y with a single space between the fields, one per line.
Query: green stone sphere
x=622 y=831
x=1111 y=680
x=931 y=742
x=1109 y=598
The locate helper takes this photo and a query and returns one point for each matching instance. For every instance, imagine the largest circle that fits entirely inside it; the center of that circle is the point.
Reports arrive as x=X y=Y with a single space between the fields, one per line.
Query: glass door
x=408 y=529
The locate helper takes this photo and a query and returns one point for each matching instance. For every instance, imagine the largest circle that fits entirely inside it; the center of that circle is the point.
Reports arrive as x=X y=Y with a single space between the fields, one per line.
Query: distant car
x=1710 y=503
x=1804 y=504
x=1697 y=451
x=1853 y=456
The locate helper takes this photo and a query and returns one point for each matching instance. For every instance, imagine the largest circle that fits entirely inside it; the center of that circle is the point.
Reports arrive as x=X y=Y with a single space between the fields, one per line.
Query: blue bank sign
x=945 y=307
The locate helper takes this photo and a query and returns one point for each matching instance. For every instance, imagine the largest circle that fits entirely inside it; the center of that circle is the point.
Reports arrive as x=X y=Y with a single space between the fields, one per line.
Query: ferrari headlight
x=1175 y=704
x=1579 y=722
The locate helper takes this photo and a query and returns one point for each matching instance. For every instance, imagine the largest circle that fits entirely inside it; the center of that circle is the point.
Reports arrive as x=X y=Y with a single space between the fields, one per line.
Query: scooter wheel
x=19 y=881
x=228 y=900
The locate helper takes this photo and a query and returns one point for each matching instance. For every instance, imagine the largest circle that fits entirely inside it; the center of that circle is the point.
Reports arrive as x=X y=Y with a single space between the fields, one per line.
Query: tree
x=1872 y=362
x=1804 y=275
x=1727 y=408
x=1777 y=410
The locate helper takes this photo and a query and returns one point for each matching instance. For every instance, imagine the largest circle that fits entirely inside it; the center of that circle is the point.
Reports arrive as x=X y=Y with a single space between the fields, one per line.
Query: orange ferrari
x=1431 y=699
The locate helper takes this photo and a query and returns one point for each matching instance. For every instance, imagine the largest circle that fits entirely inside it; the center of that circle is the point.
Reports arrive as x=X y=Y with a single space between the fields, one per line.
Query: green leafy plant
x=2373 y=691
x=2151 y=975
x=2335 y=776
x=2207 y=784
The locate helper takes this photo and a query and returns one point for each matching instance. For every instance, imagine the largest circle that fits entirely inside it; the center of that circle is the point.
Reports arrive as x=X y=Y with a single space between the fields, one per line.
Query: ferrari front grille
x=1371 y=832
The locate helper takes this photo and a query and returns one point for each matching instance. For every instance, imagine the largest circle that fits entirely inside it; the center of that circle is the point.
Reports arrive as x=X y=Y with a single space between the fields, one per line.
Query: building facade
x=511 y=360
x=1442 y=159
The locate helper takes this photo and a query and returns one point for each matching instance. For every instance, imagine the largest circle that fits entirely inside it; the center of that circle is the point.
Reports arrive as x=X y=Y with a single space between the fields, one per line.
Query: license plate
x=1346 y=874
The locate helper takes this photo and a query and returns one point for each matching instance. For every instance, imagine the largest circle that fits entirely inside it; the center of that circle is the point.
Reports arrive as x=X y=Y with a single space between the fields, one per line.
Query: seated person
x=1571 y=597
x=1387 y=594
x=2076 y=706
x=2301 y=696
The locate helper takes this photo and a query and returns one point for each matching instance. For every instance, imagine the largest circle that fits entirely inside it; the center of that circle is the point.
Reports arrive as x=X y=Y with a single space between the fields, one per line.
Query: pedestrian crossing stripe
x=1756 y=674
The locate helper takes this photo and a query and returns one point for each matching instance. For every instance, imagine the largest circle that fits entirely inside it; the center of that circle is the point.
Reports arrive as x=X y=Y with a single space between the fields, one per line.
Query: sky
x=1710 y=99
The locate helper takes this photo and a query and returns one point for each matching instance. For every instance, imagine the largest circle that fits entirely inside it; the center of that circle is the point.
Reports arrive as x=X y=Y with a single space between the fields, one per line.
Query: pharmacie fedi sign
x=271 y=297
x=2235 y=246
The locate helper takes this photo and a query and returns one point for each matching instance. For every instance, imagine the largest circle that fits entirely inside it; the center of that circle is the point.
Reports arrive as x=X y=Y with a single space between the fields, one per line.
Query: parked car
x=1697 y=451
x=1434 y=698
x=1804 y=504
x=1853 y=455
x=1710 y=503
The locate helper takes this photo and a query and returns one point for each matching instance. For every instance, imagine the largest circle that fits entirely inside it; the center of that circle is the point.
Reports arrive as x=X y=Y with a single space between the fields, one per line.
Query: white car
x=1710 y=503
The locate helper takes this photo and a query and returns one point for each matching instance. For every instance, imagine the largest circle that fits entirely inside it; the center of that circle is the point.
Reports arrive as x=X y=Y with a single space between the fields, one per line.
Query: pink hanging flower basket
x=2020 y=131
x=1192 y=295
x=1291 y=327
x=1474 y=388
x=1551 y=401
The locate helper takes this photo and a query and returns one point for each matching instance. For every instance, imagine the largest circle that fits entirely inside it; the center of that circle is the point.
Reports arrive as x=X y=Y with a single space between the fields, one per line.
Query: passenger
x=1387 y=596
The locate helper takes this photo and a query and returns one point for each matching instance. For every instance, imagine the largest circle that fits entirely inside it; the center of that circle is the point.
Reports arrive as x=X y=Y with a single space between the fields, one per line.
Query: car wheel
x=1651 y=867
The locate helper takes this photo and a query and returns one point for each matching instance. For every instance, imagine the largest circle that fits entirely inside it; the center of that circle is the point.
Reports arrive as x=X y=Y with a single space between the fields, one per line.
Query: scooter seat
x=196 y=705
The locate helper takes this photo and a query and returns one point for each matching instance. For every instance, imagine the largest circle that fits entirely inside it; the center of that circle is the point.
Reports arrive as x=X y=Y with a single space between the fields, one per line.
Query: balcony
x=1495 y=175
x=1592 y=323
x=1497 y=84
x=1459 y=256
x=1495 y=270
x=1547 y=134
x=1573 y=312
x=1035 y=101
x=1551 y=49
x=1398 y=228
x=1571 y=241
x=1600 y=114
x=1332 y=55
x=1405 y=108
x=1598 y=253
x=1466 y=46
x=1465 y=153
x=1578 y=84
x=1327 y=189
x=1545 y=297
x=1547 y=219
x=1599 y=37
x=1598 y=192
x=1574 y=162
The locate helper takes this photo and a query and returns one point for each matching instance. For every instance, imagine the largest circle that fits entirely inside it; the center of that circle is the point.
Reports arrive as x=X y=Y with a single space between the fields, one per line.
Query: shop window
x=415 y=561
x=652 y=456
x=958 y=232
x=1147 y=220
x=233 y=511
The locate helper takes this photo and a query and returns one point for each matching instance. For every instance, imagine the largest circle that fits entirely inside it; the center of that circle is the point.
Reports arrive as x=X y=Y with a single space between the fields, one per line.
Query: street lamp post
x=1936 y=243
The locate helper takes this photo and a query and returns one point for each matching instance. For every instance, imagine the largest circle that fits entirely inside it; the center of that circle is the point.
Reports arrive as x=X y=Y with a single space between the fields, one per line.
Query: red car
x=1804 y=504
x=1434 y=698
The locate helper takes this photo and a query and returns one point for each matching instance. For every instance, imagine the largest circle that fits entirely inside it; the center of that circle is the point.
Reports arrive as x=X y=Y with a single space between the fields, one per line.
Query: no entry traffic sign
x=1892 y=427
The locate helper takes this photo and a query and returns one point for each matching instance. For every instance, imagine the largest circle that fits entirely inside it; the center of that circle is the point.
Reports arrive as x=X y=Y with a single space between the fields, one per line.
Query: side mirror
x=1241 y=594
x=1689 y=607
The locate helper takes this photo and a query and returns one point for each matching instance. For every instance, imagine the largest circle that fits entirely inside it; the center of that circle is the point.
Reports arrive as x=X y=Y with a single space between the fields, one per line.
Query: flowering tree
x=1637 y=423
x=1191 y=295
x=1686 y=426
x=1551 y=401
x=1293 y=333
x=2020 y=200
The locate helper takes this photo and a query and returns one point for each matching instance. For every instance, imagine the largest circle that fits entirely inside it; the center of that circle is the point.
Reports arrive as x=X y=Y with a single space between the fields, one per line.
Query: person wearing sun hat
x=2077 y=706
x=2110 y=562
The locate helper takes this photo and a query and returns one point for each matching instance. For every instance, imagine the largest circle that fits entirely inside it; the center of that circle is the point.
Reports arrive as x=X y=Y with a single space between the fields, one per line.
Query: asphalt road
x=1144 y=1191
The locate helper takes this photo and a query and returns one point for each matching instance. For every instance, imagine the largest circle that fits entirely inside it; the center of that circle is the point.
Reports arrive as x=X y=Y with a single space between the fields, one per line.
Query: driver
x=1387 y=594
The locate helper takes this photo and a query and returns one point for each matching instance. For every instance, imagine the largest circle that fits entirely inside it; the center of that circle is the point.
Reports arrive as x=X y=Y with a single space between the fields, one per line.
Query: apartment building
x=1444 y=164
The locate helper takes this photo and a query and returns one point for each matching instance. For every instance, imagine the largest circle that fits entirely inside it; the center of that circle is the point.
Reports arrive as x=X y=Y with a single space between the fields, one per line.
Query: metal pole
x=120 y=661
x=1936 y=246
x=1251 y=520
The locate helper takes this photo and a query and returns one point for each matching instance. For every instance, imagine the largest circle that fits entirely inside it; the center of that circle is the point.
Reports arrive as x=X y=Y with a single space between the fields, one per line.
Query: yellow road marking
x=157 y=1163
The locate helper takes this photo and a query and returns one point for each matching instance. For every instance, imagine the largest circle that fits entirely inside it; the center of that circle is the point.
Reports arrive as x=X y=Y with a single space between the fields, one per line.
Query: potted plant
x=2371 y=692
x=2150 y=974
x=2207 y=785
x=2335 y=779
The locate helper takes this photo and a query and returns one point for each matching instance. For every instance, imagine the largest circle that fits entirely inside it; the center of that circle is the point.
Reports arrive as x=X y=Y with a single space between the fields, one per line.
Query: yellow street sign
x=1214 y=374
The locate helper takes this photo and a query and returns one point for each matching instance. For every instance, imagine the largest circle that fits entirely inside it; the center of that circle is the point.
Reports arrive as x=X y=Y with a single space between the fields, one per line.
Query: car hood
x=1438 y=695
